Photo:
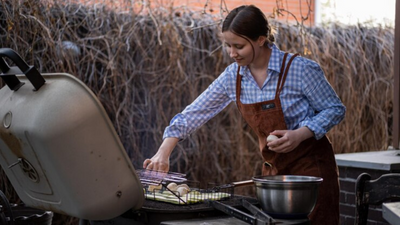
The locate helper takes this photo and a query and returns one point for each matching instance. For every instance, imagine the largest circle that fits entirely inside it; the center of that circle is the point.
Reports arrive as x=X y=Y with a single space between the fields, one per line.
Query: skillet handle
x=9 y=73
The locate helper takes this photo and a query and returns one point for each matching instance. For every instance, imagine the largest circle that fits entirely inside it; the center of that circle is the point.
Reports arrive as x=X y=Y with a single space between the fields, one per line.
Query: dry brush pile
x=146 y=66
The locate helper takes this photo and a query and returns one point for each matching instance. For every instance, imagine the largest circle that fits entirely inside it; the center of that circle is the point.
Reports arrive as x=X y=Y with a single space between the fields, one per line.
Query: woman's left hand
x=289 y=139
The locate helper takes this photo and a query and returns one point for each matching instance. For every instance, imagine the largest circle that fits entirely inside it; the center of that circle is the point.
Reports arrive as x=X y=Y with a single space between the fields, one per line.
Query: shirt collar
x=274 y=61
x=244 y=70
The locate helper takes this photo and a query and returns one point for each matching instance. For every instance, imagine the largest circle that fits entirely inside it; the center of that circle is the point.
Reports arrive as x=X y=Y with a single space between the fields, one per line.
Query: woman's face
x=239 y=48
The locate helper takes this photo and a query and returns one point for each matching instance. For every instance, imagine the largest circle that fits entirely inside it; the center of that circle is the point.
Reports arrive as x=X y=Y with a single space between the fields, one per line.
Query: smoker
x=61 y=154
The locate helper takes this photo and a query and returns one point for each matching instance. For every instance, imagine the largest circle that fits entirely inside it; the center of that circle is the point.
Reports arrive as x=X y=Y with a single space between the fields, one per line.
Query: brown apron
x=312 y=157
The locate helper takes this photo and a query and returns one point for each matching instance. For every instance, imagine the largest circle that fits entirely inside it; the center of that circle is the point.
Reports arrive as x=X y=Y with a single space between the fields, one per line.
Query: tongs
x=258 y=217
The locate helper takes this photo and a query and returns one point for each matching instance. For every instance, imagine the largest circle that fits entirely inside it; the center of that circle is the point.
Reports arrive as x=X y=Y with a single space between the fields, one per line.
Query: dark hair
x=248 y=21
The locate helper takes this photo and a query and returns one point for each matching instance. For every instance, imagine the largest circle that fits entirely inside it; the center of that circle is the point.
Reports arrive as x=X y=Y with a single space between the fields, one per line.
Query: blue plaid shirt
x=307 y=98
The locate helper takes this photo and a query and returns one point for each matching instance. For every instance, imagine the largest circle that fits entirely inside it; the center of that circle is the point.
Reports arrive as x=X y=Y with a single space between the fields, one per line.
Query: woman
x=276 y=93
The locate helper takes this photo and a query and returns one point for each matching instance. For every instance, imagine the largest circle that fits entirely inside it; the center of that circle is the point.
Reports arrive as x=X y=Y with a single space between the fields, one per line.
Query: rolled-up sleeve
x=327 y=106
x=212 y=101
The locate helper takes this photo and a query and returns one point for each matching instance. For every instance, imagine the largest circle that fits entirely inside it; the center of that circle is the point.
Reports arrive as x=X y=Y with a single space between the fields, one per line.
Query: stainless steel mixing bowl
x=287 y=196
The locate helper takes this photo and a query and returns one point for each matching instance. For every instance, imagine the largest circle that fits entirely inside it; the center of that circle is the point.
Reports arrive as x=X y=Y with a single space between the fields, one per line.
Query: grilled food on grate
x=173 y=188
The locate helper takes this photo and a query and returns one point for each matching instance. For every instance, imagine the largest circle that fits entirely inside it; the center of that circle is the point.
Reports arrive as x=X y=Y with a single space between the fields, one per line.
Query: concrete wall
x=348 y=177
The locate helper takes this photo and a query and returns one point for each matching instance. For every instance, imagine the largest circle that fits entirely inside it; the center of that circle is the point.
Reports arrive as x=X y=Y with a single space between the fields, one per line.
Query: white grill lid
x=58 y=147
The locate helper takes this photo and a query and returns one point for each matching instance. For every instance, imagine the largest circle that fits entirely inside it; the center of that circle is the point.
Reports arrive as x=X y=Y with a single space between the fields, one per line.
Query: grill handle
x=9 y=73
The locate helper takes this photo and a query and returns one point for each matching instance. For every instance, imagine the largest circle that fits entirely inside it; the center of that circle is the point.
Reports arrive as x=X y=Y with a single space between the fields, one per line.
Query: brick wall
x=347 y=178
x=299 y=8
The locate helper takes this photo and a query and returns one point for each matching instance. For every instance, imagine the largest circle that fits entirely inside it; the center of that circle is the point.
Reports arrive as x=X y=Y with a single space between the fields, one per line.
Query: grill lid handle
x=9 y=73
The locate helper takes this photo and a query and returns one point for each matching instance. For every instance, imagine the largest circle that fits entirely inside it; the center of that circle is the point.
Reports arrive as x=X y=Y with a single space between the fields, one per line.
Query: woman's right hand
x=160 y=161
x=157 y=163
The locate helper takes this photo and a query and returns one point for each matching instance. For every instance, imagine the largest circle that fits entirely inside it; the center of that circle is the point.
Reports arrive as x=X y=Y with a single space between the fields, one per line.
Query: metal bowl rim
x=299 y=179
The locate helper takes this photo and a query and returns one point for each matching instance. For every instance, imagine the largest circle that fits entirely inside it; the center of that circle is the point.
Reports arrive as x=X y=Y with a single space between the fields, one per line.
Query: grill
x=246 y=209
x=59 y=148
x=61 y=153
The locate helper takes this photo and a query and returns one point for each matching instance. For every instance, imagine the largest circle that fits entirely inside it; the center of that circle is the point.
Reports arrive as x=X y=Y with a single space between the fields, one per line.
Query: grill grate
x=156 y=188
x=151 y=177
x=194 y=196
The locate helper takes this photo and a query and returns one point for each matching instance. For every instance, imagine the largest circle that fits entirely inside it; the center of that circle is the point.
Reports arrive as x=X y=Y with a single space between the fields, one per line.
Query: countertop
x=391 y=212
x=388 y=160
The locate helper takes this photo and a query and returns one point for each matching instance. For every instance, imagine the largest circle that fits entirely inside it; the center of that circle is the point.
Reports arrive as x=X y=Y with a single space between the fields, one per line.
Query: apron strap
x=238 y=86
x=282 y=79
x=280 y=75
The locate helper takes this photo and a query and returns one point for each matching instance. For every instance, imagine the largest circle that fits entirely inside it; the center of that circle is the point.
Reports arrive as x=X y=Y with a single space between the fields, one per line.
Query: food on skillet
x=182 y=191
x=154 y=188
x=184 y=185
x=172 y=186
x=181 y=188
